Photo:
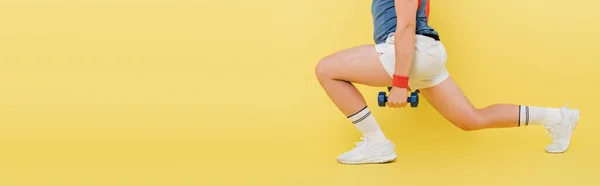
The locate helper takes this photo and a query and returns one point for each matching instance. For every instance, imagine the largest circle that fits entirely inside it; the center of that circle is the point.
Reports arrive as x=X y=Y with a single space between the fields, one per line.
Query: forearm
x=404 y=42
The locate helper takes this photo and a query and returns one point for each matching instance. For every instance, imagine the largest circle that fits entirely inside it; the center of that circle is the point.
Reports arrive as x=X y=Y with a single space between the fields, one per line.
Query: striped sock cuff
x=523 y=115
x=360 y=115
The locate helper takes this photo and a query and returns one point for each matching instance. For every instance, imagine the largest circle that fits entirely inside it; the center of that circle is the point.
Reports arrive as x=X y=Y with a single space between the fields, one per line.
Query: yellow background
x=182 y=92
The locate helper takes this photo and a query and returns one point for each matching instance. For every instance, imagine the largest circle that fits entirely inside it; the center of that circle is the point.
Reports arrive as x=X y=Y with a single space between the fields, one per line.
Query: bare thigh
x=358 y=65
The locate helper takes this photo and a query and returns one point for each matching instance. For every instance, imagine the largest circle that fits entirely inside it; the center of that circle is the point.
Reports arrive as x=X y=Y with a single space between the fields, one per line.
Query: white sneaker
x=369 y=151
x=561 y=132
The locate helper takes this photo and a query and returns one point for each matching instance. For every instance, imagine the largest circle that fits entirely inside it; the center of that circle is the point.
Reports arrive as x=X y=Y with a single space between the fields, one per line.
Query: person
x=409 y=55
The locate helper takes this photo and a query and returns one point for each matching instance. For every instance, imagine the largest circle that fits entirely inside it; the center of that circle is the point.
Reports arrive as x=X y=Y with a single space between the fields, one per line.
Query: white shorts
x=429 y=62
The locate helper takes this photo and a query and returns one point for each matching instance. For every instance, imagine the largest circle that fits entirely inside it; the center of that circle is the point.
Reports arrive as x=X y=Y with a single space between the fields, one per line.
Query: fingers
x=402 y=104
x=397 y=98
x=396 y=104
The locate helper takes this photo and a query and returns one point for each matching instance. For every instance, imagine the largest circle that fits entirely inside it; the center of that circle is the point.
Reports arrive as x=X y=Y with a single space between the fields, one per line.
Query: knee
x=324 y=69
x=471 y=122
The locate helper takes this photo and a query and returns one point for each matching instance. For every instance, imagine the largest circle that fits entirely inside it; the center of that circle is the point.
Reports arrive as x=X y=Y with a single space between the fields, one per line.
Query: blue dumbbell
x=413 y=99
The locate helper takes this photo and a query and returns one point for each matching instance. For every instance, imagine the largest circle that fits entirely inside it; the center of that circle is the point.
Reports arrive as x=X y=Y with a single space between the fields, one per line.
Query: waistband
x=433 y=36
x=390 y=38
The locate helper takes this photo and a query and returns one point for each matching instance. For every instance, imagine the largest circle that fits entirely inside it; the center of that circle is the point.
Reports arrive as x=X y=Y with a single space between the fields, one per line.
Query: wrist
x=400 y=81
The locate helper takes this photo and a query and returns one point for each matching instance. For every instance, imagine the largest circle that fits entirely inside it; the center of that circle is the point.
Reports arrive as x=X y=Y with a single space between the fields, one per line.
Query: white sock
x=366 y=124
x=538 y=115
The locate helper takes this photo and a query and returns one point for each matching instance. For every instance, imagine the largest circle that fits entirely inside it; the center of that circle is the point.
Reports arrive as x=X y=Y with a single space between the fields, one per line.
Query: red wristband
x=400 y=81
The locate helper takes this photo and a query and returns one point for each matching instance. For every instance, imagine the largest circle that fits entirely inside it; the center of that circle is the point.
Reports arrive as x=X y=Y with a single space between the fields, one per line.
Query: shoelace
x=552 y=131
x=363 y=142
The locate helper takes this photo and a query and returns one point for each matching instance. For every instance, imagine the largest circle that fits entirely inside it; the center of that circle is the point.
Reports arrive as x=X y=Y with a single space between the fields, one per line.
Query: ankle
x=377 y=136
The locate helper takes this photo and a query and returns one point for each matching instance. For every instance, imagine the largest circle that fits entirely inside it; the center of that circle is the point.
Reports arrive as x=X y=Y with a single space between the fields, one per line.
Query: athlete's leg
x=336 y=73
x=449 y=100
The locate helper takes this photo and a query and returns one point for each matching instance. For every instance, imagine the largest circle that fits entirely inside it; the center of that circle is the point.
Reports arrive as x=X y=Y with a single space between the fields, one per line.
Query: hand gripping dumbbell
x=413 y=99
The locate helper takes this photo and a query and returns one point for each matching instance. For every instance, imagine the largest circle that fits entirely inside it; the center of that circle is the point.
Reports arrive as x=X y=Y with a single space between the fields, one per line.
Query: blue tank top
x=384 y=19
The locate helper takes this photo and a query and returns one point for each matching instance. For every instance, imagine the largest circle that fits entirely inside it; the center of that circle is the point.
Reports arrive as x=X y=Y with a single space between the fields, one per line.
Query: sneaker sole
x=575 y=121
x=378 y=160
